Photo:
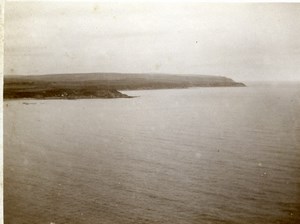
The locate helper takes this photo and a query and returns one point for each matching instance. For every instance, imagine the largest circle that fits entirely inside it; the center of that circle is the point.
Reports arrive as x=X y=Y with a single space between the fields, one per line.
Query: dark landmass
x=102 y=85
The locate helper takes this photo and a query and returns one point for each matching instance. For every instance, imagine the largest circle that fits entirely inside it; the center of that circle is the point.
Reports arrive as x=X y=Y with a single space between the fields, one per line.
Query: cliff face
x=100 y=85
x=64 y=94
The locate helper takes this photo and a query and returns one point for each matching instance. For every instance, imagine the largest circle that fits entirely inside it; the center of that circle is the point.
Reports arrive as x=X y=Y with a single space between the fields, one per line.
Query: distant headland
x=102 y=85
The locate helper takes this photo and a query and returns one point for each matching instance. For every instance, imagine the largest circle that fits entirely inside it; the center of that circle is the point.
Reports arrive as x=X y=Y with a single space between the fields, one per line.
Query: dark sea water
x=202 y=155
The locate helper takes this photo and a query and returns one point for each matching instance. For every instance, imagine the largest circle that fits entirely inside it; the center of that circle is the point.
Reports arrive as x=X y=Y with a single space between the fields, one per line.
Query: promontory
x=102 y=85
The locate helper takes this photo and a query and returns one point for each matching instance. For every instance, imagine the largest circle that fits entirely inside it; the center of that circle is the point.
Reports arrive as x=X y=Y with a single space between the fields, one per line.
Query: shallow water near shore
x=200 y=155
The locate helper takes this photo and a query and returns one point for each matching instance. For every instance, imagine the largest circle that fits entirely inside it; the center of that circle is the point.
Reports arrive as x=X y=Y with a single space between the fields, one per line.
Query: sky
x=243 y=41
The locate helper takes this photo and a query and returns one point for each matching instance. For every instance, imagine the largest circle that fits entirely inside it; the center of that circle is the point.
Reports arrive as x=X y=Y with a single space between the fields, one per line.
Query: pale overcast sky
x=241 y=41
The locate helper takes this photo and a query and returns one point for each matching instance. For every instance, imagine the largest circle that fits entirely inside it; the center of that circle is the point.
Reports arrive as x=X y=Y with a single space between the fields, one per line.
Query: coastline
x=106 y=86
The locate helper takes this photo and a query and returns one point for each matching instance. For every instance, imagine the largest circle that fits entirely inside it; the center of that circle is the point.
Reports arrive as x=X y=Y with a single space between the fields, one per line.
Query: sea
x=197 y=155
